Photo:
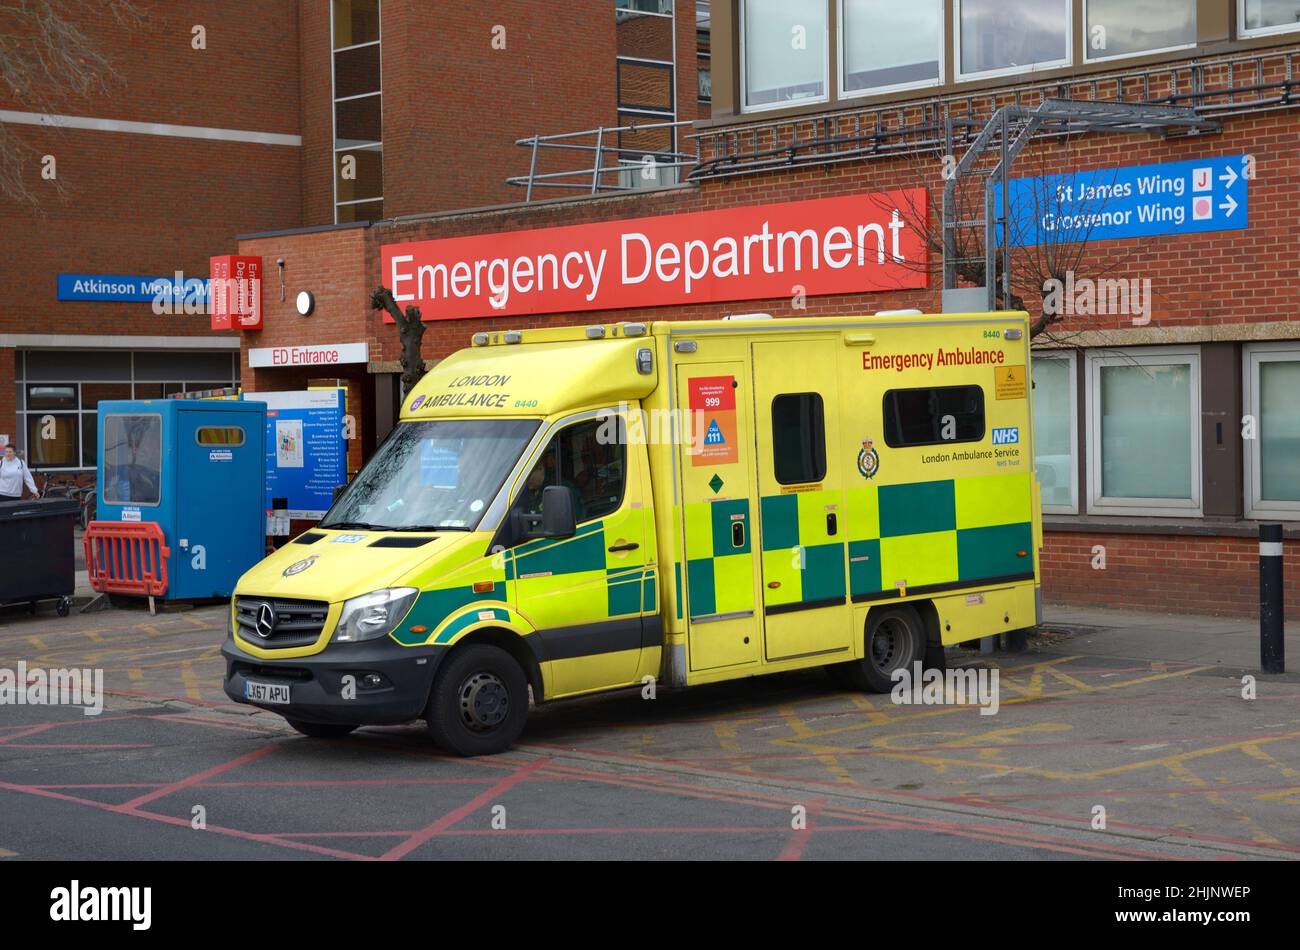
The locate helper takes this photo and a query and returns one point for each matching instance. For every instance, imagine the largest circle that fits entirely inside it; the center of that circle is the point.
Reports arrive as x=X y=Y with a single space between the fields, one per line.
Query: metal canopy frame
x=1008 y=131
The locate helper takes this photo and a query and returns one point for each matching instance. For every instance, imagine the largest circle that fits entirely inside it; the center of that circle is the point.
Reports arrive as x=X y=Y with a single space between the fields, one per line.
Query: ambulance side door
x=801 y=508
x=717 y=517
x=585 y=593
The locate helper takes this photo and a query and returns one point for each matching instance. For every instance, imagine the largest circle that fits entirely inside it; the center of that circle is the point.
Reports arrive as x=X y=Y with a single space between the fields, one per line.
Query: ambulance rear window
x=933 y=415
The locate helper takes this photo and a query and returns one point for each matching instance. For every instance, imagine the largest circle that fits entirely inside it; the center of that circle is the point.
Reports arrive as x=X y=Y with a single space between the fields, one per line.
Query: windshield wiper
x=429 y=527
x=351 y=526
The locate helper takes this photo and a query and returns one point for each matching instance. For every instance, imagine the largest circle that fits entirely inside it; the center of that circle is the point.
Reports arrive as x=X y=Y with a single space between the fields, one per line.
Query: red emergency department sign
x=856 y=244
x=235 y=285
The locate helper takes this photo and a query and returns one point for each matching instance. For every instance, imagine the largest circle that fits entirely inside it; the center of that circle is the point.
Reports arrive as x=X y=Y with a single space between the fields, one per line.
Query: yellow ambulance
x=562 y=512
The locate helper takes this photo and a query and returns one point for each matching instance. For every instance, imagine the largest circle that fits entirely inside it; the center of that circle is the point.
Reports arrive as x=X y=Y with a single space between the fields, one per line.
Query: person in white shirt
x=14 y=473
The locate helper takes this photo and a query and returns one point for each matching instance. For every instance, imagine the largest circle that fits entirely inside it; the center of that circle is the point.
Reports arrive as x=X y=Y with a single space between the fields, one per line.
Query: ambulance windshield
x=439 y=475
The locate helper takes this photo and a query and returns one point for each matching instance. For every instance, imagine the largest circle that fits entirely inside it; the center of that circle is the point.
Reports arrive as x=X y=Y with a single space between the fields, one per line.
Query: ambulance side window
x=933 y=415
x=590 y=459
x=798 y=438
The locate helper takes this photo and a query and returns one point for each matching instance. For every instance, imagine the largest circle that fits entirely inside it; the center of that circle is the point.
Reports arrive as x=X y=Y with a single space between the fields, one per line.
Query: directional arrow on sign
x=1230 y=177
x=1227 y=207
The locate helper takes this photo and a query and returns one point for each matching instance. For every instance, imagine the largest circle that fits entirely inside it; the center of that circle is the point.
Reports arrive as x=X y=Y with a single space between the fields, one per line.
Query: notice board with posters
x=306 y=451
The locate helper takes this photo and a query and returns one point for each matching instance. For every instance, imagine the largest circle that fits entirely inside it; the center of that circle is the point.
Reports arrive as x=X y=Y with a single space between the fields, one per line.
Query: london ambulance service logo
x=297 y=567
x=868 y=460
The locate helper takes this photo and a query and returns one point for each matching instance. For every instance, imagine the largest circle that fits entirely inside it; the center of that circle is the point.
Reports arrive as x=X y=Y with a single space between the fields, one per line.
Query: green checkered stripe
x=945 y=532
x=799 y=555
x=719 y=573
x=627 y=589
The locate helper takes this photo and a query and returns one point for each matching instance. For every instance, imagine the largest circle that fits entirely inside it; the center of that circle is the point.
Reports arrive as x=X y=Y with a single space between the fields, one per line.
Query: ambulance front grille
x=296 y=623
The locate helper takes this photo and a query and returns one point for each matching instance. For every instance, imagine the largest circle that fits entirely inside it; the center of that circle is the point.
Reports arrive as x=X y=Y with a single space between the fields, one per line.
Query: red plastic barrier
x=126 y=557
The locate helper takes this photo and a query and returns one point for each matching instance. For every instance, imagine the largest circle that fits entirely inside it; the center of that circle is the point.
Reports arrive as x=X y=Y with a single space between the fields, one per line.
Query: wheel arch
x=513 y=644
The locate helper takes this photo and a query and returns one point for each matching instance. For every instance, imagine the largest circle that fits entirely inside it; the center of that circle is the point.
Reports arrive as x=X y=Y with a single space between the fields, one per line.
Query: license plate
x=266 y=692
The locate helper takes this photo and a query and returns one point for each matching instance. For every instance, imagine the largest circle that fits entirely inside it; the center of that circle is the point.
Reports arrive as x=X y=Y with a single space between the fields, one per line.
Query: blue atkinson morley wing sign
x=306 y=452
x=1103 y=204
x=118 y=287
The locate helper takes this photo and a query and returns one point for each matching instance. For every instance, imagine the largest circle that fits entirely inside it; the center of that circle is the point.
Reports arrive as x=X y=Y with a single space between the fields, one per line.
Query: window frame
x=842 y=93
x=544 y=440
x=91 y=416
x=1083 y=25
x=960 y=76
x=1140 y=506
x=335 y=149
x=1252 y=355
x=1071 y=359
x=823 y=459
x=884 y=416
x=747 y=109
x=1248 y=34
x=162 y=458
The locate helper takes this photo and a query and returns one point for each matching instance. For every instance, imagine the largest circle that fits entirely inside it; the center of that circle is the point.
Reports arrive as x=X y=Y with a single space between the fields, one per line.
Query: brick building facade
x=1221 y=325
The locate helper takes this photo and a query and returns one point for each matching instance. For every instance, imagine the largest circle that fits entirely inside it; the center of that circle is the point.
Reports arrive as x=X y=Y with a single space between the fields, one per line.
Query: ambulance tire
x=321 y=730
x=479 y=701
x=895 y=639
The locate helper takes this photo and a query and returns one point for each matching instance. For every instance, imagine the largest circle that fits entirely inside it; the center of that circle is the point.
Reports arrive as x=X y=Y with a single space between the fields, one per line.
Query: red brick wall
x=8 y=400
x=1162 y=572
x=454 y=106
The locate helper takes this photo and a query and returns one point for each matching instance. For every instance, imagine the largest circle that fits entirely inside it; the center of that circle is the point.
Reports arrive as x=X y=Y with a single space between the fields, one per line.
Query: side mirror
x=557 y=513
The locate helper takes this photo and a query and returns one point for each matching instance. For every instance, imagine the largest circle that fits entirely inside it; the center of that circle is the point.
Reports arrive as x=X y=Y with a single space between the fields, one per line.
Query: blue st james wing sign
x=1105 y=204
x=117 y=287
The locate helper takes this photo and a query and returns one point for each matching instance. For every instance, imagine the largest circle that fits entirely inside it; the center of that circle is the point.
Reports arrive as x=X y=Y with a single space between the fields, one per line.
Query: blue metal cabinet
x=198 y=469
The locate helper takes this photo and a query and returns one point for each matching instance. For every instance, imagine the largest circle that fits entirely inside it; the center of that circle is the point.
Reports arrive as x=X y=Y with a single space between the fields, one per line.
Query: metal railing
x=1214 y=86
x=602 y=145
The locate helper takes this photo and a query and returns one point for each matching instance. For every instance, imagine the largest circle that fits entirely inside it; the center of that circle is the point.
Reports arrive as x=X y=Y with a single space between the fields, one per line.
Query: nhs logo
x=1008 y=436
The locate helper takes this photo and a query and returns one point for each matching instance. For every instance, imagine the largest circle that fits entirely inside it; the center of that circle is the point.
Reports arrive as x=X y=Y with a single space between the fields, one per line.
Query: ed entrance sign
x=856 y=244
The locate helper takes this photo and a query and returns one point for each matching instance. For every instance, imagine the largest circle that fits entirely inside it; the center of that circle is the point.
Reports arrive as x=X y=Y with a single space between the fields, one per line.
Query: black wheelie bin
x=36 y=555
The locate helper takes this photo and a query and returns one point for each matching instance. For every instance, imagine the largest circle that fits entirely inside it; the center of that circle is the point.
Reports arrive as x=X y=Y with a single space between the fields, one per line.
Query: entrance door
x=719 y=576
x=800 y=470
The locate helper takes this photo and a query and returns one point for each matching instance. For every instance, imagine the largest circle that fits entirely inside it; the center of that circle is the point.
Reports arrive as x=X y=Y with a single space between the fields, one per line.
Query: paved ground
x=1141 y=715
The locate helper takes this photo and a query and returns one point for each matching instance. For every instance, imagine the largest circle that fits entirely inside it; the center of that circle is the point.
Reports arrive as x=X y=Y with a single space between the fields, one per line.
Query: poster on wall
x=306 y=453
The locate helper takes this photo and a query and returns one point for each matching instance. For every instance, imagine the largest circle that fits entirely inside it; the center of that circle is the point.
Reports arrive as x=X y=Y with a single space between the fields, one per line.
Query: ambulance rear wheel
x=479 y=701
x=321 y=730
x=895 y=639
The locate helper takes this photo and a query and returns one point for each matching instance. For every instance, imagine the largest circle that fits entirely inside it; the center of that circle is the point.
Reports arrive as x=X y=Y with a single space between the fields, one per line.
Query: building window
x=1056 y=433
x=1272 y=456
x=1267 y=17
x=886 y=46
x=358 y=111
x=1144 y=432
x=933 y=415
x=783 y=55
x=798 y=439
x=1129 y=27
x=645 y=74
x=58 y=424
x=1001 y=37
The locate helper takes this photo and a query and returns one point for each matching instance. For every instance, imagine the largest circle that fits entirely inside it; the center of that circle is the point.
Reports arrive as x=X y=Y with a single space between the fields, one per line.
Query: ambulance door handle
x=631 y=546
x=738 y=534
x=831 y=525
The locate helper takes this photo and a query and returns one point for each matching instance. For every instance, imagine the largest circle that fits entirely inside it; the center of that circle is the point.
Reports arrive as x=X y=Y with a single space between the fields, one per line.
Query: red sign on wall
x=855 y=244
x=235 y=285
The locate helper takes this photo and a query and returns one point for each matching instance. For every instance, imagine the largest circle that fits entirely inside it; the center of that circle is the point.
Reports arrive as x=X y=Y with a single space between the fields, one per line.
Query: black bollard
x=1272 y=655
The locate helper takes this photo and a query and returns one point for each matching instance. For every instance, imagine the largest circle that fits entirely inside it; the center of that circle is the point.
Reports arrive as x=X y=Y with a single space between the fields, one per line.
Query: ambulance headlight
x=374 y=615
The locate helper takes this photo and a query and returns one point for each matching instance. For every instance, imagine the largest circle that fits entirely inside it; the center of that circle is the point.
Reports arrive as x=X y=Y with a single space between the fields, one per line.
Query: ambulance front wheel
x=479 y=701
x=895 y=639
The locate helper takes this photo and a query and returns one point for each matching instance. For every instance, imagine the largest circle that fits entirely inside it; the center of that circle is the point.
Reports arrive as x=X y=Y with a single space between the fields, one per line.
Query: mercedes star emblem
x=265 y=621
